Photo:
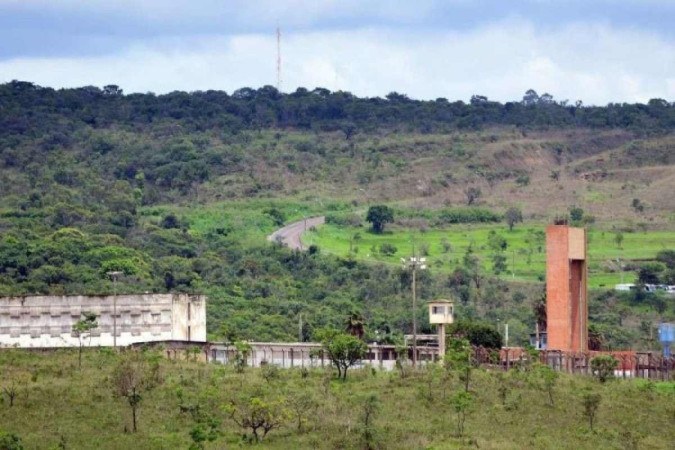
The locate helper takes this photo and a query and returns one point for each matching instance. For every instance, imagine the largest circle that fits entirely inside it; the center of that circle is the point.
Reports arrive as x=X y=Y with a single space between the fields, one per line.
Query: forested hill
x=178 y=191
x=28 y=109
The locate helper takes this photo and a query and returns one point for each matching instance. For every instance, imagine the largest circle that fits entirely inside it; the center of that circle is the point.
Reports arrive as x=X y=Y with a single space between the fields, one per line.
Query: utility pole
x=114 y=275
x=414 y=263
x=300 y=327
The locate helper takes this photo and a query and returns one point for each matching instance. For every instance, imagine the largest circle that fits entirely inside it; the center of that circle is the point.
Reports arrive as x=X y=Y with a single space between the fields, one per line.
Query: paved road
x=290 y=234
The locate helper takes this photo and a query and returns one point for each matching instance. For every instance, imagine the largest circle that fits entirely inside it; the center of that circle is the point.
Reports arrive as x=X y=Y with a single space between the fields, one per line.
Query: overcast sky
x=598 y=51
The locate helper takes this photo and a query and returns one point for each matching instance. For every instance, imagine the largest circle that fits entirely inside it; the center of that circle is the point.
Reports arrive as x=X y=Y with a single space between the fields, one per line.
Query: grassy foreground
x=525 y=254
x=60 y=406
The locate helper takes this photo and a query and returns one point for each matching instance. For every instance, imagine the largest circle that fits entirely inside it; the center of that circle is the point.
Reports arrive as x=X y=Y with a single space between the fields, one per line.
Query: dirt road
x=291 y=233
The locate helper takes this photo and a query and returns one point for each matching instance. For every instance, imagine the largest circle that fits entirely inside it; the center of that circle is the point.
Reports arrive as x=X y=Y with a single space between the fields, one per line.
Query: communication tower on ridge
x=278 y=58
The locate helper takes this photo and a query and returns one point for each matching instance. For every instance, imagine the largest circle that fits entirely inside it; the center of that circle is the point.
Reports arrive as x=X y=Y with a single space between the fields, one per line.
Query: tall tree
x=378 y=216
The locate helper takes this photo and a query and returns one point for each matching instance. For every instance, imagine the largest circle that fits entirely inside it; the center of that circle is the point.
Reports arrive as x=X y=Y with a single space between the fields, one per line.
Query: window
x=438 y=310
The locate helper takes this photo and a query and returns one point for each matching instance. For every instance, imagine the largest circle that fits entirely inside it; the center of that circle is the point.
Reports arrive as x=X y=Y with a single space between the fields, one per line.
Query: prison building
x=566 y=289
x=47 y=321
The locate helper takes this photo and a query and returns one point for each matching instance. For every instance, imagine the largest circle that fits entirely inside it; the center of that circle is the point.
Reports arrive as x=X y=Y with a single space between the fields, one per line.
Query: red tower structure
x=566 y=289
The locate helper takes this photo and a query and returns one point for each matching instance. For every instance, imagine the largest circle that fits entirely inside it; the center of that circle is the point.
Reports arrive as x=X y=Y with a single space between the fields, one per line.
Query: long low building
x=47 y=321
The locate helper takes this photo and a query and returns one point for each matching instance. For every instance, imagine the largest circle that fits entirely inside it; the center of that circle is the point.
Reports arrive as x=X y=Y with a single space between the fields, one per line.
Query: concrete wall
x=47 y=321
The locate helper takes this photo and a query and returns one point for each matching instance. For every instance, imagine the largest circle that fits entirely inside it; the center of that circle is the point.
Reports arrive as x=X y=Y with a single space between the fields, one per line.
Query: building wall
x=47 y=321
x=566 y=285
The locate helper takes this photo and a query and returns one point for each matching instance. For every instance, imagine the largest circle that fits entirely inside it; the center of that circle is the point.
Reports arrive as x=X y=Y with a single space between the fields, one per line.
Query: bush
x=603 y=367
x=10 y=441
x=387 y=249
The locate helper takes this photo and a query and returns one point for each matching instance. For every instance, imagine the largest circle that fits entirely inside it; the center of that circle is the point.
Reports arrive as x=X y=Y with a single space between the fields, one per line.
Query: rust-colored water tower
x=566 y=288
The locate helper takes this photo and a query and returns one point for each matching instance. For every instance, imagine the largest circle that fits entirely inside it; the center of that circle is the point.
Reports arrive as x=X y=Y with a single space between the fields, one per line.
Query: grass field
x=525 y=254
x=248 y=221
x=59 y=406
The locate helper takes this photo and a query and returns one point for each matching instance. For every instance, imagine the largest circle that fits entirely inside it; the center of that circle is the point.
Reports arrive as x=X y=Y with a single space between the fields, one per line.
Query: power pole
x=114 y=275
x=300 y=327
x=414 y=263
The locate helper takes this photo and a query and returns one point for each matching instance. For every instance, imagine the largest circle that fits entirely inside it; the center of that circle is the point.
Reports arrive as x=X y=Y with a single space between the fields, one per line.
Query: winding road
x=291 y=233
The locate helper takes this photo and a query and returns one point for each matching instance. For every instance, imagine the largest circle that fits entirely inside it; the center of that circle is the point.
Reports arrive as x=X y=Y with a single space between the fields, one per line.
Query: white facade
x=47 y=321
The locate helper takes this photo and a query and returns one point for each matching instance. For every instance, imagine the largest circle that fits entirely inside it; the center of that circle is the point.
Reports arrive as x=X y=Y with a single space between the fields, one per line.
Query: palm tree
x=354 y=325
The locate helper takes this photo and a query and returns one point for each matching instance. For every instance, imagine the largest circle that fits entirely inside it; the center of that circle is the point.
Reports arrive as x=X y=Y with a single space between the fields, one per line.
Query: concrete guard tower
x=441 y=313
x=566 y=289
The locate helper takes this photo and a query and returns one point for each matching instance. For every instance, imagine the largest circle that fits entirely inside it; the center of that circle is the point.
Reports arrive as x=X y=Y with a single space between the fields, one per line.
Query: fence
x=631 y=364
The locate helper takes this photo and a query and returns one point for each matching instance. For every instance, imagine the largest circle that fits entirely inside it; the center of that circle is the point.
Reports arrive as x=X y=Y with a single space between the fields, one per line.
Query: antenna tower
x=278 y=58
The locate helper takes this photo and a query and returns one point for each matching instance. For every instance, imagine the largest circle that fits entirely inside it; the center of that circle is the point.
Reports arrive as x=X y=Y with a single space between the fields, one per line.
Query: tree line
x=26 y=108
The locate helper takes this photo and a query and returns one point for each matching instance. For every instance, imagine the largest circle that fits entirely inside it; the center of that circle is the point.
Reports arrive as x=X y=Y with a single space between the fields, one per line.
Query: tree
x=618 y=239
x=459 y=359
x=544 y=378
x=354 y=325
x=342 y=349
x=379 y=215
x=461 y=402
x=648 y=273
x=576 y=214
x=530 y=98
x=667 y=257
x=370 y=408
x=243 y=349
x=302 y=404
x=591 y=403
x=84 y=327
x=476 y=333
x=472 y=195
x=498 y=263
x=258 y=415
x=513 y=216
x=131 y=378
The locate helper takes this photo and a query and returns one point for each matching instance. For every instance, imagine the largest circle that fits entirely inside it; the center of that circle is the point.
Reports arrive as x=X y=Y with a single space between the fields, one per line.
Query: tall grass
x=60 y=404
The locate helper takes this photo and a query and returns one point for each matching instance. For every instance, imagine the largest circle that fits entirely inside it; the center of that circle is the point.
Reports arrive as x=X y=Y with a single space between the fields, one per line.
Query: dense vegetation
x=178 y=192
x=186 y=404
x=27 y=108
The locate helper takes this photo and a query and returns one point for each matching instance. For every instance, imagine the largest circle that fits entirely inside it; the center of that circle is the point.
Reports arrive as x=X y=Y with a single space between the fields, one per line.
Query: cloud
x=597 y=63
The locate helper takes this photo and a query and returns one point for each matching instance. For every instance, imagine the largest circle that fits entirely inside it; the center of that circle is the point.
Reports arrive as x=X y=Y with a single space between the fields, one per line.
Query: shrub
x=603 y=367
x=387 y=249
x=10 y=441
x=467 y=215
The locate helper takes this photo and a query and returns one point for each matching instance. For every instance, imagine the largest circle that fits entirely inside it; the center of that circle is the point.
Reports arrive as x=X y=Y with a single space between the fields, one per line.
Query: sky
x=597 y=51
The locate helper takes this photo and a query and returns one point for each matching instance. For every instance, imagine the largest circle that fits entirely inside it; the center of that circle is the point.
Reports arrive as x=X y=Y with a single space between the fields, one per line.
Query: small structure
x=566 y=289
x=666 y=337
x=47 y=321
x=441 y=313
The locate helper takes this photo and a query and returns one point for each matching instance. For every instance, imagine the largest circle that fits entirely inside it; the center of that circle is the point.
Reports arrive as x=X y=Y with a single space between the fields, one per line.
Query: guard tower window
x=438 y=309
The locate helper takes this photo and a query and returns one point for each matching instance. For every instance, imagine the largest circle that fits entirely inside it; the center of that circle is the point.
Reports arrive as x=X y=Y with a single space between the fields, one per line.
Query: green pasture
x=525 y=254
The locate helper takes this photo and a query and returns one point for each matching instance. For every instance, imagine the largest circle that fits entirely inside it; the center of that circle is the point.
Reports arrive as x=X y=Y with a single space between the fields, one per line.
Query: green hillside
x=179 y=191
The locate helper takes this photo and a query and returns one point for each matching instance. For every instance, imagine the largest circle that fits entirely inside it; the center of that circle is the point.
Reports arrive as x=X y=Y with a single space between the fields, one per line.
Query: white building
x=47 y=321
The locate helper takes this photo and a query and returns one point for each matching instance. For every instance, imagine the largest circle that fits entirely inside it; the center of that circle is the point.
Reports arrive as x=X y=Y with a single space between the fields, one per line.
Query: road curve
x=291 y=233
